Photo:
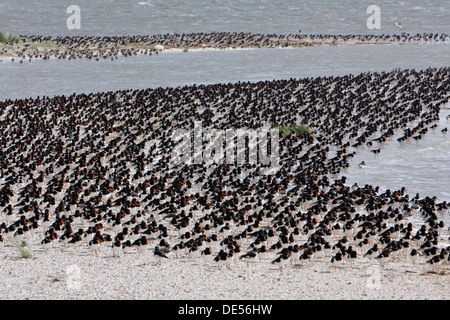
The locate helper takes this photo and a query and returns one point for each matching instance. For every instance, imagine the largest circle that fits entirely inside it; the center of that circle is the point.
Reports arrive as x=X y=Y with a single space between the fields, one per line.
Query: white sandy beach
x=75 y=273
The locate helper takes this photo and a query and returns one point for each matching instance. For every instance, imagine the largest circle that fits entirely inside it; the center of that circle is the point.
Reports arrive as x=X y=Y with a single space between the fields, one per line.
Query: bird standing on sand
x=436 y=261
x=160 y=254
x=117 y=248
x=282 y=260
x=337 y=260
x=251 y=255
x=206 y=253
x=222 y=258
x=383 y=257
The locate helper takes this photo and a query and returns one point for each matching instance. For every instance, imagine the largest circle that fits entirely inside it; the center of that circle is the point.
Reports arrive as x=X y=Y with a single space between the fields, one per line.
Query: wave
x=145 y=3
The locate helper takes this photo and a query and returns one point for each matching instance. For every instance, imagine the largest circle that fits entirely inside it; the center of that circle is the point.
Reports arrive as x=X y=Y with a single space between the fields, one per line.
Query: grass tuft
x=7 y=38
x=24 y=249
x=298 y=129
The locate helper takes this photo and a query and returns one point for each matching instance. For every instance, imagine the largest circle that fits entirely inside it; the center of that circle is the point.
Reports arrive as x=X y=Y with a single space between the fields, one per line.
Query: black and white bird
x=160 y=254
x=282 y=260
x=223 y=258
x=251 y=255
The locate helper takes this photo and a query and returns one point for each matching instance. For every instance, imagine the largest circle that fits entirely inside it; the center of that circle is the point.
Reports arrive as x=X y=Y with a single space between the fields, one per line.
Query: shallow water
x=421 y=167
x=56 y=77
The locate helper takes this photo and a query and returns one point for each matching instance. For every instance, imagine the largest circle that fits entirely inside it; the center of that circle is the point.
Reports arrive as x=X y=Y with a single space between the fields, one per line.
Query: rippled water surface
x=119 y=17
x=56 y=77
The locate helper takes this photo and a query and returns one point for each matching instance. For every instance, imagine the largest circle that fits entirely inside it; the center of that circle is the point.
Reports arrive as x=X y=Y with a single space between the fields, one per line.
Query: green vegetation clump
x=24 y=249
x=298 y=129
x=8 y=38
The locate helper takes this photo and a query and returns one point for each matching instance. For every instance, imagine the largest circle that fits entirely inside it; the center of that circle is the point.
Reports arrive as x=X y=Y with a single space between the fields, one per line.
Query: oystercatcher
x=222 y=258
x=282 y=260
x=160 y=254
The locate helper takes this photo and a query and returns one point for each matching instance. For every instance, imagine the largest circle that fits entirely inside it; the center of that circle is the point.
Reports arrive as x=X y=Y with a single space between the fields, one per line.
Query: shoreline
x=38 y=47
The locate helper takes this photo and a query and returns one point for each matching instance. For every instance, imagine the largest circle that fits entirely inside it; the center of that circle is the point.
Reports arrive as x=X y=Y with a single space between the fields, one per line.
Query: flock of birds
x=96 y=171
x=111 y=47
